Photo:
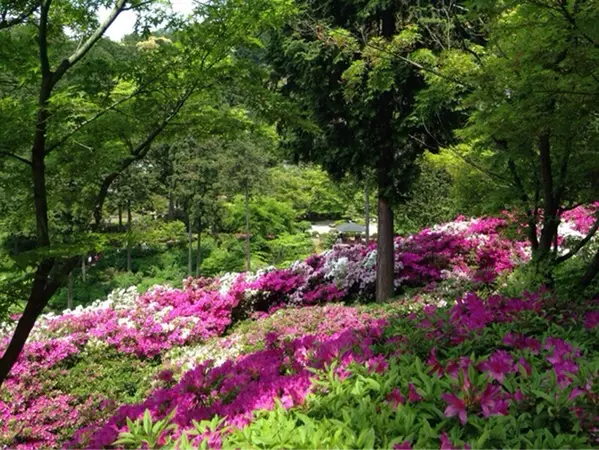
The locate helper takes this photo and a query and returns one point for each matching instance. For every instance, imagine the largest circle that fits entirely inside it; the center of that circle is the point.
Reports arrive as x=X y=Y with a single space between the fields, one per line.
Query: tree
x=348 y=65
x=196 y=181
x=152 y=88
x=531 y=94
x=247 y=156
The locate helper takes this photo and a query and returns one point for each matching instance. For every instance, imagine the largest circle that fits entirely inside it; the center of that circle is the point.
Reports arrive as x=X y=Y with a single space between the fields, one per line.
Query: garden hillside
x=299 y=224
x=297 y=357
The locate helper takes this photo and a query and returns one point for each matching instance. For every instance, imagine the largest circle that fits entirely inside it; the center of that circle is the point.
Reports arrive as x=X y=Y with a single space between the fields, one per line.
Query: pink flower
x=395 y=398
x=498 y=365
x=413 y=395
x=491 y=402
x=455 y=407
x=405 y=445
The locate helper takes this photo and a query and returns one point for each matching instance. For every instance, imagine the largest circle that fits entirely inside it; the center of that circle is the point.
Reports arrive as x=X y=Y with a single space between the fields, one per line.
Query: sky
x=125 y=22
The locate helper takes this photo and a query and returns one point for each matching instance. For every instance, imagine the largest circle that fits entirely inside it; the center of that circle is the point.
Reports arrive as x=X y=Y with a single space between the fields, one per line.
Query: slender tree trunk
x=189 y=246
x=248 y=256
x=40 y=294
x=38 y=299
x=129 y=236
x=591 y=272
x=120 y=218
x=70 y=292
x=83 y=268
x=171 y=205
x=199 y=248
x=367 y=213
x=543 y=257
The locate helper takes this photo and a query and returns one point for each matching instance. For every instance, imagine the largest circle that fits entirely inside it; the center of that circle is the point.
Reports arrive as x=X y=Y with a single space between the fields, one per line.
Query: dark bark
x=248 y=255
x=47 y=279
x=367 y=213
x=84 y=268
x=129 y=236
x=70 y=292
x=385 y=147
x=171 y=205
x=199 y=248
x=189 y=245
x=384 y=257
x=591 y=271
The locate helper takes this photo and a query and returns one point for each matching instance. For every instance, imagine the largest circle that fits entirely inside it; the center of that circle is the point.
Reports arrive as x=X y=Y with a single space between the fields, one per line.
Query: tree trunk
x=36 y=303
x=70 y=292
x=248 y=256
x=591 y=272
x=367 y=213
x=120 y=219
x=83 y=268
x=385 y=145
x=199 y=248
x=543 y=257
x=129 y=236
x=189 y=246
x=40 y=291
x=384 y=257
x=171 y=205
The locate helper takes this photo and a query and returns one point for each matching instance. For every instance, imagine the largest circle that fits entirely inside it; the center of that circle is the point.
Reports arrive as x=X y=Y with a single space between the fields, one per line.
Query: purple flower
x=455 y=407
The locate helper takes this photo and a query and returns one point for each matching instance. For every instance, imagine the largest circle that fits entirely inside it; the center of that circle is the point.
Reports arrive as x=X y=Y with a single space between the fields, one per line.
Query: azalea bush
x=497 y=372
x=222 y=360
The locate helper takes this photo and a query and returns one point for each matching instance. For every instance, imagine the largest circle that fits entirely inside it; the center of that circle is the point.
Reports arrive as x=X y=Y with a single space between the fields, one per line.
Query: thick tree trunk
x=367 y=213
x=248 y=255
x=70 y=292
x=189 y=246
x=129 y=243
x=591 y=272
x=199 y=248
x=384 y=257
x=385 y=145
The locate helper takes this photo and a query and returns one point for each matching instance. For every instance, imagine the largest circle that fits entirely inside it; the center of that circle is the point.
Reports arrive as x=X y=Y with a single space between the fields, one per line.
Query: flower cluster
x=299 y=332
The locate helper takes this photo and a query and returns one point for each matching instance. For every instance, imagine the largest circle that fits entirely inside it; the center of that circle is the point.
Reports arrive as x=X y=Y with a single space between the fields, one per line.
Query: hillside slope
x=266 y=360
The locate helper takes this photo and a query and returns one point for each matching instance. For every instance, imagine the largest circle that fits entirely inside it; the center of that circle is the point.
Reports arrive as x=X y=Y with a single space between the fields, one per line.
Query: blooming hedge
x=170 y=339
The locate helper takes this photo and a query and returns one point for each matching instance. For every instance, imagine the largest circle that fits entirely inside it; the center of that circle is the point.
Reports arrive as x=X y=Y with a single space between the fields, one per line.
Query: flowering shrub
x=470 y=363
x=483 y=373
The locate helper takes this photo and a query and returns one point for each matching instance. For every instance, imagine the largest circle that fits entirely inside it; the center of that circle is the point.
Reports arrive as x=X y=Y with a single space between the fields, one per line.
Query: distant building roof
x=350 y=227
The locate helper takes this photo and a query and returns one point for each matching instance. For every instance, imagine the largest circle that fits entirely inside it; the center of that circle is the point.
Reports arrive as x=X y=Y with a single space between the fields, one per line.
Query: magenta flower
x=405 y=445
x=455 y=407
x=492 y=403
x=498 y=365
x=395 y=398
x=413 y=395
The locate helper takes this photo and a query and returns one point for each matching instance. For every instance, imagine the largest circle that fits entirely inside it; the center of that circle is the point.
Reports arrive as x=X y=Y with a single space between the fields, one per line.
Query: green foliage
x=313 y=194
x=432 y=200
x=144 y=432
x=287 y=248
x=268 y=216
x=118 y=377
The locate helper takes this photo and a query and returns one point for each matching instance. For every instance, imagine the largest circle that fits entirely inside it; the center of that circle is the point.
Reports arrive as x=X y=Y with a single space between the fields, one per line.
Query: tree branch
x=99 y=114
x=4 y=23
x=69 y=62
x=17 y=157
x=582 y=243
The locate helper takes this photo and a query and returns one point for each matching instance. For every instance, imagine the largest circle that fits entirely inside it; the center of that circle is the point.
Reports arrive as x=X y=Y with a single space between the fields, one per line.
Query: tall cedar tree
x=348 y=65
